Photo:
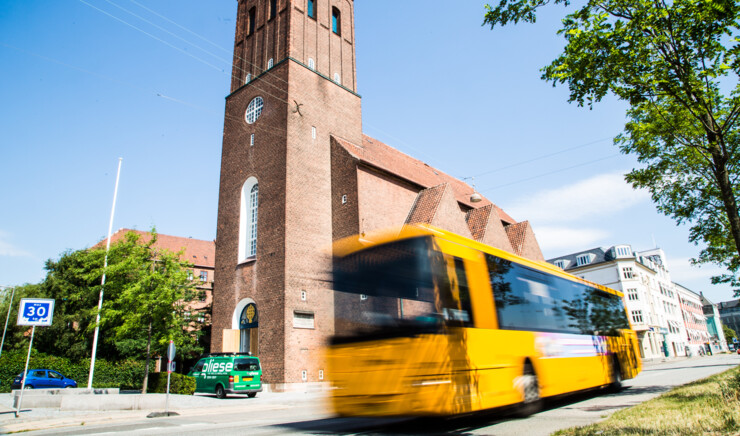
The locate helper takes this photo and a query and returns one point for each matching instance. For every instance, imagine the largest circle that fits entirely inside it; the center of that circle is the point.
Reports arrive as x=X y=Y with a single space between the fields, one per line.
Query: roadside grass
x=710 y=406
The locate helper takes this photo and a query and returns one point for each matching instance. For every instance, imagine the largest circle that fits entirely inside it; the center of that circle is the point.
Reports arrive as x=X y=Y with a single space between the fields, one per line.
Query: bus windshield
x=391 y=287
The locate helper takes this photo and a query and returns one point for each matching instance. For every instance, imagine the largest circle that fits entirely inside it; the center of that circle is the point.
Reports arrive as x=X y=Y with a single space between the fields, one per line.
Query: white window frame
x=583 y=259
x=270 y=63
x=627 y=272
x=248 y=219
x=311 y=64
x=560 y=264
x=248 y=78
x=337 y=79
x=254 y=110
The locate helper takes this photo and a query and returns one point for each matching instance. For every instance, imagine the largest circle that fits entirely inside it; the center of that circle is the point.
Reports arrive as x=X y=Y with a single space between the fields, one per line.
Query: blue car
x=43 y=379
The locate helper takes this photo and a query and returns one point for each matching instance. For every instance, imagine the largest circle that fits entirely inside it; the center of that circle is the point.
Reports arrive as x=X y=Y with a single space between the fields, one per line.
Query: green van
x=228 y=373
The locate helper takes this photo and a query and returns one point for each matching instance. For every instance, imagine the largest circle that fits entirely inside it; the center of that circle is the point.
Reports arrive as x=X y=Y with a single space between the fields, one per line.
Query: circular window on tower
x=254 y=110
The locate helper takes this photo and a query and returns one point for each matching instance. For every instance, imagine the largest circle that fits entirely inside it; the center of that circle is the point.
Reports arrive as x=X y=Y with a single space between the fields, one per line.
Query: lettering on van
x=214 y=366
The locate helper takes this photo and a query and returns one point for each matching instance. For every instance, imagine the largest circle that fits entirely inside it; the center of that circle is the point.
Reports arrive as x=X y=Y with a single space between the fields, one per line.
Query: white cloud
x=7 y=249
x=564 y=240
x=597 y=196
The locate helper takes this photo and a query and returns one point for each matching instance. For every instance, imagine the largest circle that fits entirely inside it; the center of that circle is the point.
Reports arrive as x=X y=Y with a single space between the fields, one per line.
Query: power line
x=551 y=172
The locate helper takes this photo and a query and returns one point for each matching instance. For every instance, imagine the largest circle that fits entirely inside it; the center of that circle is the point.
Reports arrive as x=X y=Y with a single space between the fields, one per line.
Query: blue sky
x=84 y=82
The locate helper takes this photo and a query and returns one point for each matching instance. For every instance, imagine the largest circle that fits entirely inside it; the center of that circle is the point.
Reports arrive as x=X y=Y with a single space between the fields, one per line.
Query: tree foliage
x=146 y=303
x=729 y=333
x=677 y=65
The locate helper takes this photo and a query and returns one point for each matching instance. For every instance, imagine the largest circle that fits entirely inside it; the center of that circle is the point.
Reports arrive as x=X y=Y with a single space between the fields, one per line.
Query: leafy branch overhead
x=677 y=65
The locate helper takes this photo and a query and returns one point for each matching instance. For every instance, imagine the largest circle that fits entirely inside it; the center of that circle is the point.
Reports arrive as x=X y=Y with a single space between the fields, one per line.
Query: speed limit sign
x=36 y=311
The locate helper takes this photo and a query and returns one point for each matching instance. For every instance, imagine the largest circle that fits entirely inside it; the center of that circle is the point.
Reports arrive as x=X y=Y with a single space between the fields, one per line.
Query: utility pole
x=102 y=283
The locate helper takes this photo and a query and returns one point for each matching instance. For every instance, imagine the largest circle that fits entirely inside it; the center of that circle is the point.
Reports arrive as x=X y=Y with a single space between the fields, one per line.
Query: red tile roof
x=477 y=220
x=426 y=205
x=197 y=251
x=377 y=154
x=517 y=234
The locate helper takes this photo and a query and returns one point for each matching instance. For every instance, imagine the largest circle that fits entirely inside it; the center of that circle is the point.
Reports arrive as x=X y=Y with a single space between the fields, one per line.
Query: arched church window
x=252 y=21
x=270 y=63
x=248 y=219
x=273 y=8
x=336 y=21
x=311 y=64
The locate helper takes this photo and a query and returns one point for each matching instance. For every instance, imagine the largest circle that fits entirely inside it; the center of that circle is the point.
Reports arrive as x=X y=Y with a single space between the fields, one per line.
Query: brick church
x=297 y=173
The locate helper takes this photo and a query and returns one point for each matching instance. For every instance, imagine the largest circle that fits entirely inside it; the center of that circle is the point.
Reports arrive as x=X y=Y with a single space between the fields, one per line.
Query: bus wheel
x=531 y=389
x=220 y=392
x=616 y=384
x=252 y=394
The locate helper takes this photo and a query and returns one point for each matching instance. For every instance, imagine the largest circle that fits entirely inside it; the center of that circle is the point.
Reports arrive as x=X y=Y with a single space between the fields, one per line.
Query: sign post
x=170 y=357
x=33 y=312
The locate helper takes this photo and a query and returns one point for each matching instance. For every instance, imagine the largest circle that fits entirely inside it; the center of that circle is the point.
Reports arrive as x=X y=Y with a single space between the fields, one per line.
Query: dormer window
x=583 y=259
x=336 y=21
x=560 y=264
x=623 y=250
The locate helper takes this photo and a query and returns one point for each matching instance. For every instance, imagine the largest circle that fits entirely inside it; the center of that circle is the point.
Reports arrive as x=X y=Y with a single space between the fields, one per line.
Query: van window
x=199 y=366
x=246 y=365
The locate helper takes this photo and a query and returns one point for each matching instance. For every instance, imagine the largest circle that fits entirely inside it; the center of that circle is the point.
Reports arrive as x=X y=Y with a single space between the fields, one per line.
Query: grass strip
x=710 y=406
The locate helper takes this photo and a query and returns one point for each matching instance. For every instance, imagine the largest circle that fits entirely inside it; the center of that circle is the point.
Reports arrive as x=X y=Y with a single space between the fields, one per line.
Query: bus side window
x=459 y=311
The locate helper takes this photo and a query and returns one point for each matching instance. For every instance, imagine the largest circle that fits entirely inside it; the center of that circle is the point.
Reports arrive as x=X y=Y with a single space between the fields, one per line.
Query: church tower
x=293 y=87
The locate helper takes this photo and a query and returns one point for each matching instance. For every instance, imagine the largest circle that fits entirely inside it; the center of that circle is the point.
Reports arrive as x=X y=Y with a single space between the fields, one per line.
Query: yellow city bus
x=432 y=323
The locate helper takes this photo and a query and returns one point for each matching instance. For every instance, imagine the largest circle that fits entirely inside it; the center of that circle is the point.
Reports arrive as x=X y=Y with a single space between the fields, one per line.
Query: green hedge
x=179 y=384
x=127 y=374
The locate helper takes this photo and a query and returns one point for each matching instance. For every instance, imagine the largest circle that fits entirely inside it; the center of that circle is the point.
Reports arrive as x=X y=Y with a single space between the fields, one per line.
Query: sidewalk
x=184 y=405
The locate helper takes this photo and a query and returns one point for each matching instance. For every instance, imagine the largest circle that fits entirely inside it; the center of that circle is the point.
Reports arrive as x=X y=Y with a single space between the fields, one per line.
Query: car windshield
x=246 y=365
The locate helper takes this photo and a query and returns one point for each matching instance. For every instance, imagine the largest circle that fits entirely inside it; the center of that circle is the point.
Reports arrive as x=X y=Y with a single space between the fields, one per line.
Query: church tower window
x=311 y=8
x=273 y=8
x=254 y=110
x=336 y=21
x=248 y=219
x=252 y=21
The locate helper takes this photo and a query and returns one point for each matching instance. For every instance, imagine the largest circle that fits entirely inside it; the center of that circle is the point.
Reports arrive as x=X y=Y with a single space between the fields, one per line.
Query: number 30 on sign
x=36 y=311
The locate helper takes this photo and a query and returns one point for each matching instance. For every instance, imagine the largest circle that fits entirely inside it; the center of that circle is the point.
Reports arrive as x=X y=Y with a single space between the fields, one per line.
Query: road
x=279 y=414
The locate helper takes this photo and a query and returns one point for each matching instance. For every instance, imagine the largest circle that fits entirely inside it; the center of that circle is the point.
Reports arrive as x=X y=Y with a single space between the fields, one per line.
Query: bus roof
x=354 y=243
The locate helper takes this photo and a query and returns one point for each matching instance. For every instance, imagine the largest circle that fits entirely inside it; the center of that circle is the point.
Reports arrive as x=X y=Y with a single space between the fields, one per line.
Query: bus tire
x=616 y=384
x=220 y=392
x=252 y=394
x=532 y=402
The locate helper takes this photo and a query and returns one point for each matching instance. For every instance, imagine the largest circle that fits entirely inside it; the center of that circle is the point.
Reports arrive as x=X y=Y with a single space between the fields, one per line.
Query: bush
x=179 y=384
x=126 y=374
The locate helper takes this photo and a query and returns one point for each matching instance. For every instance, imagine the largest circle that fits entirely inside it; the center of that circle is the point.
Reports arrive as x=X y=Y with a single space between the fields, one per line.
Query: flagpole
x=102 y=282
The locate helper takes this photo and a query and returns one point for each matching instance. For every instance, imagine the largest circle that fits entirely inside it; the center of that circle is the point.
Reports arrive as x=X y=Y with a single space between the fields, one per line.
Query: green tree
x=145 y=305
x=152 y=308
x=677 y=65
x=729 y=333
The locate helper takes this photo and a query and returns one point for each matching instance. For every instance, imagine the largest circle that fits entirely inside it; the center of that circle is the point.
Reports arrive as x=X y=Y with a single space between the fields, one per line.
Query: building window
x=248 y=78
x=321 y=374
x=344 y=199
x=560 y=264
x=337 y=79
x=311 y=8
x=248 y=219
x=632 y=294
x=311 y=64
x=313 y=132
x=269 y=63
x=582 y=259
x=303 y=320
x=251 y=140
x=363 y=297
x=336 y=21
x=252 y=21
x=273 y=8
x=637 y=316
x=254 y=110
x=628 y=273
x=204 y=276
x=623 y=251
x=304 y=375
x=303 y=295
x=190 y=275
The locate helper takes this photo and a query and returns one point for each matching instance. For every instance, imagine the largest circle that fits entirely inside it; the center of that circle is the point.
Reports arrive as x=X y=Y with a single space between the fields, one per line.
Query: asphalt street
x=306 y=413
